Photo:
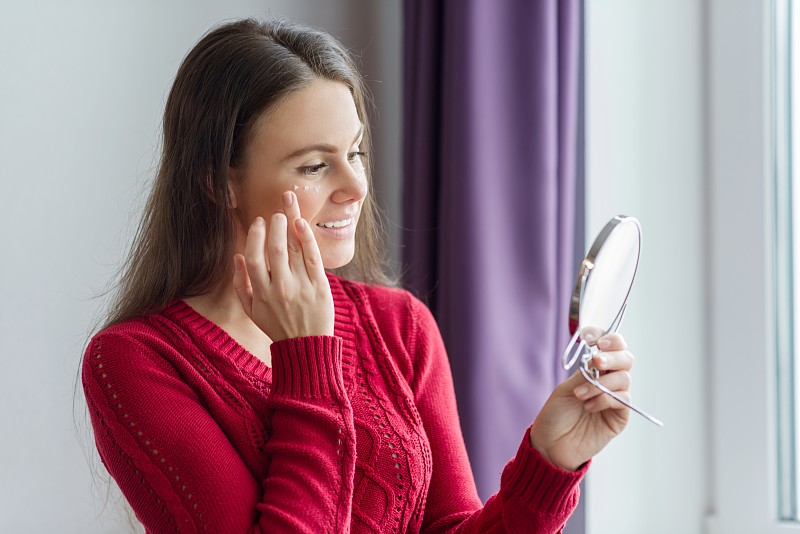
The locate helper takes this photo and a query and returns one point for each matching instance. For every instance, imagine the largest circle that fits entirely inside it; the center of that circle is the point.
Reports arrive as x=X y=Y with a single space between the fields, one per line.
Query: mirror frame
x=588 y=263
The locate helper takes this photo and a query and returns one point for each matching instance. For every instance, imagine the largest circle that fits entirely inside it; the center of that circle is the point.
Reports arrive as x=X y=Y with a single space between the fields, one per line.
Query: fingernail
x=589 y=337
x=602 y=360
x=259 y=221
x=581 y=391
x=604 y=343
x=287 y=198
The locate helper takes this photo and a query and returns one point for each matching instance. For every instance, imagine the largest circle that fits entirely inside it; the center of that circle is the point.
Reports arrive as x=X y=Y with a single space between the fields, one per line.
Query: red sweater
x=356 y=432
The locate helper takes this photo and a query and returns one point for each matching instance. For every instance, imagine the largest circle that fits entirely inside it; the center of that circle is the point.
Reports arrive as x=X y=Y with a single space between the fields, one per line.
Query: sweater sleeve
x=534 y=497
x=158 y=438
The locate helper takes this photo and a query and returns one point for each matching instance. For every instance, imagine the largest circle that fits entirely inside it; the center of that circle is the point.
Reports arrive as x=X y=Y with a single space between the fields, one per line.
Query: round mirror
x=601 y=294
x=606 y=276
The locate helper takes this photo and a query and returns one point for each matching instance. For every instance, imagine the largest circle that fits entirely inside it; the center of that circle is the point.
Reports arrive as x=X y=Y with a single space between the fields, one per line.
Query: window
x=752 y=286
x=786 y=232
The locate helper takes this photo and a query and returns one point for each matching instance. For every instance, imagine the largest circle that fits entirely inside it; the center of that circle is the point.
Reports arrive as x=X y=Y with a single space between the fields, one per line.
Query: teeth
x=335 y=224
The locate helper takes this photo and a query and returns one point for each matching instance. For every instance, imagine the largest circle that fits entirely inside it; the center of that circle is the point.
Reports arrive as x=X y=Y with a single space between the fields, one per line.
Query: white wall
x=82 y=87
x=646 y=158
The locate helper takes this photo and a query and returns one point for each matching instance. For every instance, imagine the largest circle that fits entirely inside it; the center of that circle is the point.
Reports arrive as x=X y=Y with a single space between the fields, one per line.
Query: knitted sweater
x=355 y=432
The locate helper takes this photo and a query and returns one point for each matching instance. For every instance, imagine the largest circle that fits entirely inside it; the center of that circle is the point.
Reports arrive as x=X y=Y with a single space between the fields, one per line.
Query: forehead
x=321 y=112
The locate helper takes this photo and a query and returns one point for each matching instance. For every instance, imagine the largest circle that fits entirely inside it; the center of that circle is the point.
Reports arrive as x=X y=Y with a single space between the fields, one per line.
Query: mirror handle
x=574 y=349
x=592 y=375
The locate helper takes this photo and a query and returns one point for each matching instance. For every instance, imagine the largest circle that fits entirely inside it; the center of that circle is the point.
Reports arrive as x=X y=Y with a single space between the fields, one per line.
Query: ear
x=208 y=188
x=234 y=202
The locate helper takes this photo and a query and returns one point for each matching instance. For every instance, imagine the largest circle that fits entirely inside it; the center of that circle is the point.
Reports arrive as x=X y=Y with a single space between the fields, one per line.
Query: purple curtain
x=491 y=148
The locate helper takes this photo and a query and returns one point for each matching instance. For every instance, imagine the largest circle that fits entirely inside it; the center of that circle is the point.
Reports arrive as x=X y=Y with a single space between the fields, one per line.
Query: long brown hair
x=184 y=243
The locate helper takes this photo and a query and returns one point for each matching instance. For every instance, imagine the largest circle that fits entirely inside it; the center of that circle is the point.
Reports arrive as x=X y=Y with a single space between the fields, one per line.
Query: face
x=307 y=143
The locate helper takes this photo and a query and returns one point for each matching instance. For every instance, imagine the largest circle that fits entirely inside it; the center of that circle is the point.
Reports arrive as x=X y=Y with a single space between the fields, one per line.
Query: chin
x=337 y=259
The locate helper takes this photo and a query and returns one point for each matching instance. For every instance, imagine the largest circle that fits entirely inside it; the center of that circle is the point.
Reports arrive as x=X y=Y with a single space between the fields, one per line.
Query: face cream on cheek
x=306 y=188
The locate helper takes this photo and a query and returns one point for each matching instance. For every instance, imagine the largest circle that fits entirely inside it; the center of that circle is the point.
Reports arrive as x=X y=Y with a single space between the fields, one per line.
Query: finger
x=613 y=361
x=617 y=382
x=311 y=254
x=242 y=285
x=607 y=402
x=295 y=250
x=568 y=386
x=590 y=334
x=613 y=341
x=255 y=261
x=276 y=249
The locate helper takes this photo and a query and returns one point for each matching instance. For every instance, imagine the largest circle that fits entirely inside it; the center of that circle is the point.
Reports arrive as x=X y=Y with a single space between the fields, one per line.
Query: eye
x=312 y=170
x=353 y=157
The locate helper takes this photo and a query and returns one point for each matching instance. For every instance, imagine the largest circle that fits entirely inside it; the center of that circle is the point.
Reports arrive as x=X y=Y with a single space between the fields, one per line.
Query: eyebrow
x=321 y=147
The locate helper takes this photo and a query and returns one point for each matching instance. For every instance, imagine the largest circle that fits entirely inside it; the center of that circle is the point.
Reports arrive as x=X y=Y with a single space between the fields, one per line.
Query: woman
x=238 y=387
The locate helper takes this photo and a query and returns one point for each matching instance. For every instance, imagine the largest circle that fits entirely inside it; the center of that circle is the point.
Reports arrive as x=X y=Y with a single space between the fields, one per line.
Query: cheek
x=310 y=202
x=305 y=189
x=255 y=208
x=260 y=197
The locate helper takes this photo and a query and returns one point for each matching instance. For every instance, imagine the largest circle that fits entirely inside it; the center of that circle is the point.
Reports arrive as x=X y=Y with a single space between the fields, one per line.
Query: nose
x=352 y=184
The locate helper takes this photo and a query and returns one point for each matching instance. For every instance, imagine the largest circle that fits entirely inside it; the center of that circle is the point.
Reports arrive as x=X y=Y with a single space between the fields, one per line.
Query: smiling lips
x=336 y=224
x=341 y=229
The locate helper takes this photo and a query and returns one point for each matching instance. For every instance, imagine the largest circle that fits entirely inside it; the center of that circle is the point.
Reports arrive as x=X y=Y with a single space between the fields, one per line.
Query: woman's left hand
x=578 y=419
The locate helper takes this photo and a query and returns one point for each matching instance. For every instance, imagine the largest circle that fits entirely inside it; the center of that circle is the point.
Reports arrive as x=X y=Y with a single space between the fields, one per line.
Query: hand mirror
x=601 y=294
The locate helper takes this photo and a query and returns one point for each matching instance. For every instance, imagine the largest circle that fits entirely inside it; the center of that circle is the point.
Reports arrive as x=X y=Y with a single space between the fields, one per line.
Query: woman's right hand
x=284 y=291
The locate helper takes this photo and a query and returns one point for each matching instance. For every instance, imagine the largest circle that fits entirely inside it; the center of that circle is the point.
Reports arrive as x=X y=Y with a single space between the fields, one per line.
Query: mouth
x=336 y=224
x=342 y=229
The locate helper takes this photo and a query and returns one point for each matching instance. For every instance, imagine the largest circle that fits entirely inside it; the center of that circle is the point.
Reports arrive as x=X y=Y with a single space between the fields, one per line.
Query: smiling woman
x=239 y=385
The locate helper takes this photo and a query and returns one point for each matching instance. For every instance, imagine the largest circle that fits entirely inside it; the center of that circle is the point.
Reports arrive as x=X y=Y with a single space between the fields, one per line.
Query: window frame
x=742 y=269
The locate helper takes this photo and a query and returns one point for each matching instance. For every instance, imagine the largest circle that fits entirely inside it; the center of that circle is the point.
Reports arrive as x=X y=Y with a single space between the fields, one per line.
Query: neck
x=221 y=306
